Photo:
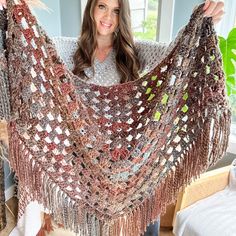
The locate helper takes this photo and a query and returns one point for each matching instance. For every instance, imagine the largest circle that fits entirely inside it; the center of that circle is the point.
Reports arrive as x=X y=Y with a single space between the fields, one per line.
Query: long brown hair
x=127 y=62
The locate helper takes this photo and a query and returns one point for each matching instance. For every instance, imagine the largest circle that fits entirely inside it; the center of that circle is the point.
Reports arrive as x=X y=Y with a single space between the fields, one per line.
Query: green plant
x=152 y=5
x=228 y=51
x=150 y=27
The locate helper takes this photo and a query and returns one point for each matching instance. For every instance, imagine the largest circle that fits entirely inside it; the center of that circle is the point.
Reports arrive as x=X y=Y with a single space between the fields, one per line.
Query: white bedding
x=212 y=216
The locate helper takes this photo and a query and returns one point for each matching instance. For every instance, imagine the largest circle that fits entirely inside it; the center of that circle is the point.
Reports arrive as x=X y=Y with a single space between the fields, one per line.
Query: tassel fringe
x=46 y=227
x=83 y=222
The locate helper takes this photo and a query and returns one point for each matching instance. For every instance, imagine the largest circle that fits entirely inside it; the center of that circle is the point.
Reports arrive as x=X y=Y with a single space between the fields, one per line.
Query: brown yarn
x=46 y=226
x=107 y=160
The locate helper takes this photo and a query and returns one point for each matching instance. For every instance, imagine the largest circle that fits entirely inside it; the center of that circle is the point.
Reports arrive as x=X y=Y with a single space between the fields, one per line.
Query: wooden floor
x=11 y=220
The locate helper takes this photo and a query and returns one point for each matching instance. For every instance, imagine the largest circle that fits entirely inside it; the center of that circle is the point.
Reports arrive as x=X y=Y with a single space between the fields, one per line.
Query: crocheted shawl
x=107 y=160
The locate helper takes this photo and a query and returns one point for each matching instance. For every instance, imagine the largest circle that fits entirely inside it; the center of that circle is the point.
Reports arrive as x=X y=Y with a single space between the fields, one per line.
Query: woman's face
x=106 y=16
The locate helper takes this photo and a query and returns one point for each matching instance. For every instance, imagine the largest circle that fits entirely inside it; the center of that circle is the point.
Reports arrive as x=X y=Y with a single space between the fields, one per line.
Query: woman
x=106 y=38
x=107 y=54
x=106 y=29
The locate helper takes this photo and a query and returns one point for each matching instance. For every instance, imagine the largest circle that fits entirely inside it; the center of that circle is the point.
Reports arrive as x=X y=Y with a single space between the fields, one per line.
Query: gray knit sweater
x=105 y=73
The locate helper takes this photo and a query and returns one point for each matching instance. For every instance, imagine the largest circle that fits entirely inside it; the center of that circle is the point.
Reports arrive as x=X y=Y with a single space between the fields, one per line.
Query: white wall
x=50 y=20
x=63 y=18
x=182 y=13
x=70 y=17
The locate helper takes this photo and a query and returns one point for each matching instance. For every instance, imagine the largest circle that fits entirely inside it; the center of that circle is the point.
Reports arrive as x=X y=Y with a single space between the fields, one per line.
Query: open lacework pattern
x=107 y=160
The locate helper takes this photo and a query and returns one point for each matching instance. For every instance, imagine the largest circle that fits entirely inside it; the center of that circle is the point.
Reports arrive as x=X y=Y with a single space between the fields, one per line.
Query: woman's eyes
x=117 y=11
x=103 y=7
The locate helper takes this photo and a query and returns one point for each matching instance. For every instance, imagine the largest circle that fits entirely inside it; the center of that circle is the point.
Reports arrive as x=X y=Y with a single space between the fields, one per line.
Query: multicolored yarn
x=107 y=160
x=4 y=112
x=4 y=83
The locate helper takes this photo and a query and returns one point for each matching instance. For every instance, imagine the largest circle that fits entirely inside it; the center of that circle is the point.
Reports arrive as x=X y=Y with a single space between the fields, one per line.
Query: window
x=144 y=18
x=152 y=19
x=82 y=7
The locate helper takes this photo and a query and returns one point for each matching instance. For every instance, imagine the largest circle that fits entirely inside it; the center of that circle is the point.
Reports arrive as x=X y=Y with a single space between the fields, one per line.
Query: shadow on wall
x=225 y=161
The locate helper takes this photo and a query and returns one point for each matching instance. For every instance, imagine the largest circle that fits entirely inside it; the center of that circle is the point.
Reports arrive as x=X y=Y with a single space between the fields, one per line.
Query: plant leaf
x=228 y=50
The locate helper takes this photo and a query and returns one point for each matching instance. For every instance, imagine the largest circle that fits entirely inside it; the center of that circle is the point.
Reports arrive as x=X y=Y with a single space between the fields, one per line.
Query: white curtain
x=229 y=19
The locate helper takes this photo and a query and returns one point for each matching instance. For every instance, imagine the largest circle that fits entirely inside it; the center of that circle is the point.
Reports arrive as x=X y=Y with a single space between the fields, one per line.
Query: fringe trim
x=46 y=227
x=209 y=146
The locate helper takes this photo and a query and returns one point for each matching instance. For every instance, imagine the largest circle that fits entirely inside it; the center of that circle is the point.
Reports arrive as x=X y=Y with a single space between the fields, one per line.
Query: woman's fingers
x=3 y=3
x=219 y=14
x=218 y=17
x=219 y=7
x=207 y=3
x=210 y=9
x=214 y=9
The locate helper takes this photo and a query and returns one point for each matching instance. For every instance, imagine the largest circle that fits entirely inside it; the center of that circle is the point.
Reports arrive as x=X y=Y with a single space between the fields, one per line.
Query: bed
x=208 y=206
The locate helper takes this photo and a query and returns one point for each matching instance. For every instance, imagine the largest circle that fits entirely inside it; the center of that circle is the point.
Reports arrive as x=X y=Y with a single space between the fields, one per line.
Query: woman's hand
x=3 y=4
x=214 y=9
